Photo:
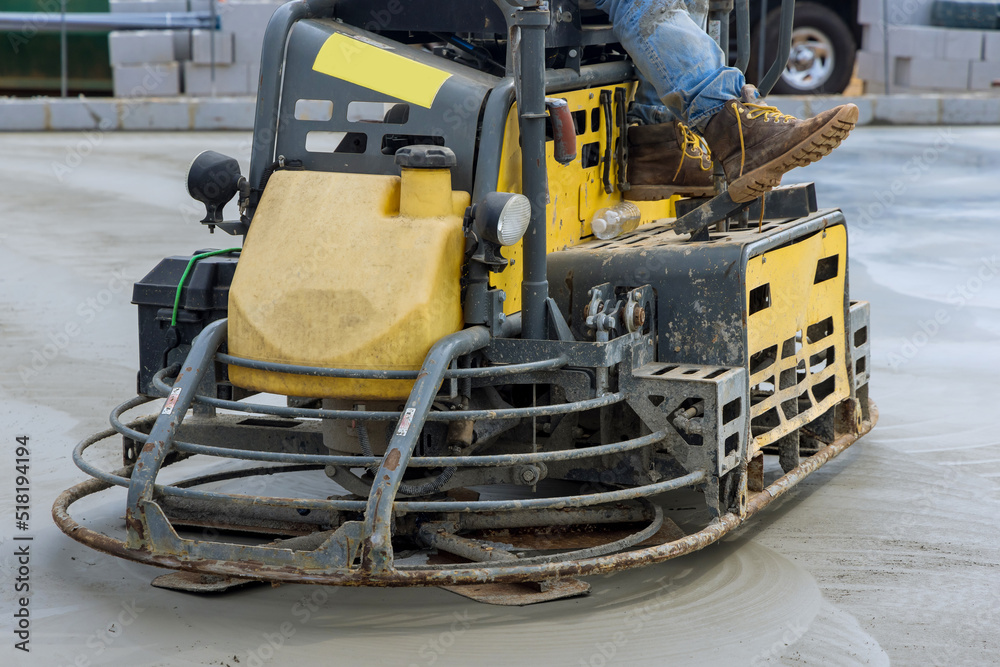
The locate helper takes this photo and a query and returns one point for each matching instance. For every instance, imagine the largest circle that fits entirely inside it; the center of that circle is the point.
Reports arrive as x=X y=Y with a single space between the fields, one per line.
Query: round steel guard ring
x=492 y=572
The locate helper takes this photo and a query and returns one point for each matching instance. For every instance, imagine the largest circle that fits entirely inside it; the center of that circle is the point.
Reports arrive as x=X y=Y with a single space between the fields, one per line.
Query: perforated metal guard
x=660 y=393
x=860 y=342
x=796 y=334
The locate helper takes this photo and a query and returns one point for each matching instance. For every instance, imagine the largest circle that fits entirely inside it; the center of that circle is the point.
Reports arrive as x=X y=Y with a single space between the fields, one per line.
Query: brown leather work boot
x=665 y=160
x=758 y=144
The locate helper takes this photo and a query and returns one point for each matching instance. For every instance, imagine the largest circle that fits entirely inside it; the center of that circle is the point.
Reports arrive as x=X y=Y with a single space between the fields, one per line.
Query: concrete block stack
x=923 y=58
x=167 y=63
x=144 y=63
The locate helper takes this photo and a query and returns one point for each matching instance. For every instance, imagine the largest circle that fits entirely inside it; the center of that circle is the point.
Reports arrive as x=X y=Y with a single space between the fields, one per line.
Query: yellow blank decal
x=380 y=70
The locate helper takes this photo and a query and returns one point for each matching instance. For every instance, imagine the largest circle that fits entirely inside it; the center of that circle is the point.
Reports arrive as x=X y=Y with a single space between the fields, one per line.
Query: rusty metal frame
x=692 y=414
x=500 y=573
x=359 y=552
x=363 y=547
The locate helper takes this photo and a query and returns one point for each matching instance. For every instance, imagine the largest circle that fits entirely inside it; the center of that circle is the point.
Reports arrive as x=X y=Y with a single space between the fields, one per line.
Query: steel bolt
x=638 y=317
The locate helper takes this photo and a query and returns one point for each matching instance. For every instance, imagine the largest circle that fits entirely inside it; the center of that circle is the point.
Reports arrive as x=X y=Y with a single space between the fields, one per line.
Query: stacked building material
x=166 y=63
x=925 y=57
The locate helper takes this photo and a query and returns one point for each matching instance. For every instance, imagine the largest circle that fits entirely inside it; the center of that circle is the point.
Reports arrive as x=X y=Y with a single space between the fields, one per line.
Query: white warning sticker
x=405 y=421
x=168 y=407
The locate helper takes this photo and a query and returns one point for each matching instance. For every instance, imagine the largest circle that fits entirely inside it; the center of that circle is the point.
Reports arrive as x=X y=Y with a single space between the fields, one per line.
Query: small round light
x=213 y=179
x=503 y=217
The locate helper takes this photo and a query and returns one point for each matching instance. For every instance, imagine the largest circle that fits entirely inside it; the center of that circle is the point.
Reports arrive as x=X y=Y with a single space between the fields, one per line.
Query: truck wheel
x=821 y=60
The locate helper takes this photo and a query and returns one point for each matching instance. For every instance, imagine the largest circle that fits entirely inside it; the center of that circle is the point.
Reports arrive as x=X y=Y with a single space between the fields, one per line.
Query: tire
x=817 y=25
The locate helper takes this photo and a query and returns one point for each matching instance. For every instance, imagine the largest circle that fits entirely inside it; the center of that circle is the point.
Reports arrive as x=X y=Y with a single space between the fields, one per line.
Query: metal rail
x=122 y=478
x=388 y=415
x=365 y=374
x=265 y=125
x=784 y=47
x=472 y=461
x=145 y=520
x=104 y=22
x=148 y=528
x=742 y=35
x=64 y=22
x=527 y=26
x=511 y=572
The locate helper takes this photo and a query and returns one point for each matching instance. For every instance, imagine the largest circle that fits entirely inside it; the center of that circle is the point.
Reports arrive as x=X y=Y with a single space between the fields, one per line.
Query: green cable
x=187 y=270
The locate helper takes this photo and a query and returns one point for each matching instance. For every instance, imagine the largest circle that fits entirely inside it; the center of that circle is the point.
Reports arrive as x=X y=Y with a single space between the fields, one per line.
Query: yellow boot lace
x=693 y=146
x=769 y=113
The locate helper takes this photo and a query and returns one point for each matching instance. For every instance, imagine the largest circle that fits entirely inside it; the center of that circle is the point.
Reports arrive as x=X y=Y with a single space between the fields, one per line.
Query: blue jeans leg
x=646 y=108
x=674 y=54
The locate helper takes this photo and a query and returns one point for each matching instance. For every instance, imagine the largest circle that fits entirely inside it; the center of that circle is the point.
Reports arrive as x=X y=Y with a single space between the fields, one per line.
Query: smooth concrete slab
x=887 y=555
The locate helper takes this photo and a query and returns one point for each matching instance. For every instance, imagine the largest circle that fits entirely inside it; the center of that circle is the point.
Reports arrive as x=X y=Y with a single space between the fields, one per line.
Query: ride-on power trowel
x=481 y=387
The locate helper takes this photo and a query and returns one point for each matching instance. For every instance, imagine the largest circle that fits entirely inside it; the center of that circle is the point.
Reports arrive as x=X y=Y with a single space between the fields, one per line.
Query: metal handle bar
x=784 y=47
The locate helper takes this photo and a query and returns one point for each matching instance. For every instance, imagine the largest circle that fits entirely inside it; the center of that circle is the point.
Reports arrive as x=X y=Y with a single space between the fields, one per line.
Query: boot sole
x=811 y=149
x=658 y=192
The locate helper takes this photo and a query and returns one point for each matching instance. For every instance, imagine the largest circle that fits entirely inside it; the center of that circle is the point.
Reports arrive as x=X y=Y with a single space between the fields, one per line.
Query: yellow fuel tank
x=333 y=275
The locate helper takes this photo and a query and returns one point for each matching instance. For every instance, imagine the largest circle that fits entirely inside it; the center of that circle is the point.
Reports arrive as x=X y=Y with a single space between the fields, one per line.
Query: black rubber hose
x=406 y=489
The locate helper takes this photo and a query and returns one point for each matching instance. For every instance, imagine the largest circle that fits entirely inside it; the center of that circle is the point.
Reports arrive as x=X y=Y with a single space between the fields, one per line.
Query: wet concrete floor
x=890 y=554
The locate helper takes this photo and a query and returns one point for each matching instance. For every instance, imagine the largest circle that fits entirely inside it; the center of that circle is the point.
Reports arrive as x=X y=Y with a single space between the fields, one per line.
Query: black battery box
x=204 y=299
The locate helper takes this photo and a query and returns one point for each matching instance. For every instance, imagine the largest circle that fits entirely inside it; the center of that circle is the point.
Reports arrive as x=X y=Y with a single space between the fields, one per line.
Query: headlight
x=213 y=179
x=503 y=217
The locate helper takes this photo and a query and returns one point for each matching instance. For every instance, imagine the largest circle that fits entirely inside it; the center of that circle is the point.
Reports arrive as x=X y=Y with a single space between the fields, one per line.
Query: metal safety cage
x=363 y=547
x=349 y=541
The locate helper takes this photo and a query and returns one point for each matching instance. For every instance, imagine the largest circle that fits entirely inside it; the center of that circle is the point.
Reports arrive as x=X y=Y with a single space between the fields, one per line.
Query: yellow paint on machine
x=781 y=330
x=379 y=69
x=333 y=275
x=575 y=193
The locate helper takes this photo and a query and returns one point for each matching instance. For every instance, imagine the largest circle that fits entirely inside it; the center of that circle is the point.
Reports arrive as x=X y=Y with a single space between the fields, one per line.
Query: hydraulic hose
x=424 y=489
